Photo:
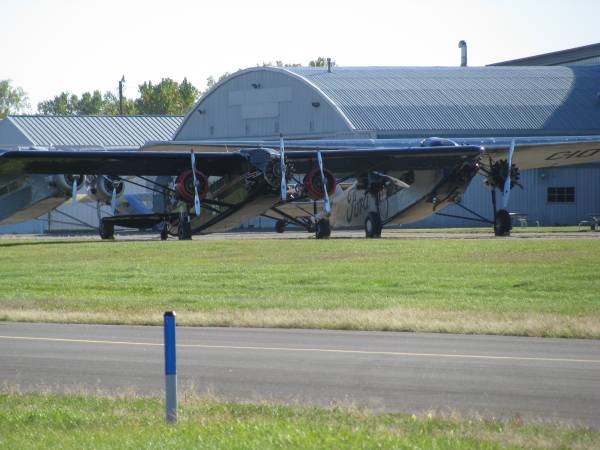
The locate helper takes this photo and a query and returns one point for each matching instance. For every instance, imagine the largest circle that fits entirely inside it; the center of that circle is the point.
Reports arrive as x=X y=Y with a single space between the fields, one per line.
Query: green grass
x=486 y=229
x=81 y=421
x=474 y=281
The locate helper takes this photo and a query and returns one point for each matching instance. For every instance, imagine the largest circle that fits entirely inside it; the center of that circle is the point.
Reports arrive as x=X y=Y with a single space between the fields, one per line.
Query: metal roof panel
x=534 y=100
x=108 y=131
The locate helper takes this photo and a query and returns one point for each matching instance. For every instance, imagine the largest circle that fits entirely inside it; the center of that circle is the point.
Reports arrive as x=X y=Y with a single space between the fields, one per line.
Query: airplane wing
x=341 y=162
x=111 y=162
x=530 y=153
x=534 y=153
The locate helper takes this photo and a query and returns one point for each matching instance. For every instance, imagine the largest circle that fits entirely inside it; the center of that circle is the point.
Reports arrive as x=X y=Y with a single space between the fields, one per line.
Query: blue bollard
x=170 y=367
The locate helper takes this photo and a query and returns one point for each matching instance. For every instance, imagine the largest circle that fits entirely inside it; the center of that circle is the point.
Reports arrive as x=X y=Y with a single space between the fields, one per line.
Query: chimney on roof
x=463 y=53
x=329 y=65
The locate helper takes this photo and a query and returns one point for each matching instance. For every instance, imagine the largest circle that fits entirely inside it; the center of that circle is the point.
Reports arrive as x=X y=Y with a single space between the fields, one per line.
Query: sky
x=51 y=46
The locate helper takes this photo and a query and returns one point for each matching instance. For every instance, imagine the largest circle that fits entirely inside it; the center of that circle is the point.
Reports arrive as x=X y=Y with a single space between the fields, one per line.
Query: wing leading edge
x=342 y=162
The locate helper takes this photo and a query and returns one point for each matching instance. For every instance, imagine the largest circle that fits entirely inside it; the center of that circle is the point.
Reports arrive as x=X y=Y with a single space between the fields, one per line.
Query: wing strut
x=282 y=169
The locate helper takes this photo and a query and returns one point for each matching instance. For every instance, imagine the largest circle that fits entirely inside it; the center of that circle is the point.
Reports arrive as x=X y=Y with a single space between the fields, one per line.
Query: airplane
x=320 y=185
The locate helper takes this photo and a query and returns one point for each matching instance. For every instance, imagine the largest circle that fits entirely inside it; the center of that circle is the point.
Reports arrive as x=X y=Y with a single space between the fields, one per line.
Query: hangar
x=510 y=99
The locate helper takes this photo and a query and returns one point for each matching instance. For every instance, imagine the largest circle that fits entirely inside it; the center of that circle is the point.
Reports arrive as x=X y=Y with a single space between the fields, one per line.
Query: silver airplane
x=320 y=185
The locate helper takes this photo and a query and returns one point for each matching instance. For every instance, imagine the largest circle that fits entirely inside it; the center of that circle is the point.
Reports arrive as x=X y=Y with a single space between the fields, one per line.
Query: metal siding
x=290 y=108
x=10 y=135
x=563 y=57
x=593 y=60
x=532 y=199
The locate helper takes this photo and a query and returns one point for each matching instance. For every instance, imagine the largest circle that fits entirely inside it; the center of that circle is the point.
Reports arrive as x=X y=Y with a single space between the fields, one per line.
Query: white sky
x=50 y=46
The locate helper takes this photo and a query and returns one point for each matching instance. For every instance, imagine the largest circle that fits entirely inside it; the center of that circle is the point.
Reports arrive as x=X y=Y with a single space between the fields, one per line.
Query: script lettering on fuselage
x=358 y=203
x=573 y=154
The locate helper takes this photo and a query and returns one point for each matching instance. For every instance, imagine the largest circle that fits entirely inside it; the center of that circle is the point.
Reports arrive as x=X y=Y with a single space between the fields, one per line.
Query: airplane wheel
x=164 y=233
x=280 y=226
x=502 y=223
x=373 y=226
x=107 y=230
x=184 y=230
x=323 y=229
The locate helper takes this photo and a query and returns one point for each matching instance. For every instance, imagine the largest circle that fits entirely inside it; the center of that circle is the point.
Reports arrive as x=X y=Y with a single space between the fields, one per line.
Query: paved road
x=408 y=372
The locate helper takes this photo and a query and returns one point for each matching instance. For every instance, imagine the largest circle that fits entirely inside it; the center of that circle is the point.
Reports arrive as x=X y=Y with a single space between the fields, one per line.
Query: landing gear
x=502 y=223
x=322 y=229
x=164 y=232
x=106 y=229
x=280 y=226
x=184 y=230
x=373 y=226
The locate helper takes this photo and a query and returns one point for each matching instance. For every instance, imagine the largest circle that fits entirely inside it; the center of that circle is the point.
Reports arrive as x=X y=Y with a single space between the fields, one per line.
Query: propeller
x=327 y=204
x=197 y=206
x=282 y=169
x=506 y=190
x=113 y=198
x=74 y=192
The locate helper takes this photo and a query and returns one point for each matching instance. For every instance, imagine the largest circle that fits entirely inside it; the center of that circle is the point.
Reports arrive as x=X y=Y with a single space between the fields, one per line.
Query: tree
x=63 y=104
x=166 y=97
x=319 y=62
x=90 y=104
x=12 y=99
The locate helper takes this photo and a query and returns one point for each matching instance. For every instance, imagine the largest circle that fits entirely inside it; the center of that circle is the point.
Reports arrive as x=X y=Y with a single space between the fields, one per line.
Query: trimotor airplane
x=317 y=184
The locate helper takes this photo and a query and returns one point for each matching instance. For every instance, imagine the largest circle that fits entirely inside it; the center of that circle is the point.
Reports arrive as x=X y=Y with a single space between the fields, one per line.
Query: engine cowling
x=65 y=182
x=100 y=187
x=184 y=185
x=314 y=184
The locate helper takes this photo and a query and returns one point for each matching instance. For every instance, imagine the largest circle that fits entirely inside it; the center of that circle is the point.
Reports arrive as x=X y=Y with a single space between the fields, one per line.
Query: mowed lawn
x=29 y=421
x=528 y=287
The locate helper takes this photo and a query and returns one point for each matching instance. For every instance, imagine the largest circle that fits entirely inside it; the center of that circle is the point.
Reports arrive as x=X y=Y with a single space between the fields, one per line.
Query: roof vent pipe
x=329 y=65
x=463 y=53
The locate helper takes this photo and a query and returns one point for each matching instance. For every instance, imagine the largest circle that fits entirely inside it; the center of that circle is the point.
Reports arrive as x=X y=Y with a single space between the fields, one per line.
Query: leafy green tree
x=166 y=97
x=319 y=62
x=12 y=99
x=63 y=104
x=90 y=104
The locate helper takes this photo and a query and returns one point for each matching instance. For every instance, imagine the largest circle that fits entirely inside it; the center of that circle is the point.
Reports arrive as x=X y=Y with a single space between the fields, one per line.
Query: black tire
x=164 y=232
x=107 y=230
x=280 y=226
x=184 y=230
x=323 y=229
x=502 y=223
x=373 y=226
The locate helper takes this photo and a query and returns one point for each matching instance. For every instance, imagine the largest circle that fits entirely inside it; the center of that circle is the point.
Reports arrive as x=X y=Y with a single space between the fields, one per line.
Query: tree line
x=168 y=97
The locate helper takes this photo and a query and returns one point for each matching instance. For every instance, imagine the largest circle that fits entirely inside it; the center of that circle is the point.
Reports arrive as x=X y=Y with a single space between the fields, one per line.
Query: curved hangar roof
x=399 y=101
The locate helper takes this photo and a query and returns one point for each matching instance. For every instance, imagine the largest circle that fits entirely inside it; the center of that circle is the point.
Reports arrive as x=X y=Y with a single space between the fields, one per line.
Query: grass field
x=82 y=421
x=525 y=287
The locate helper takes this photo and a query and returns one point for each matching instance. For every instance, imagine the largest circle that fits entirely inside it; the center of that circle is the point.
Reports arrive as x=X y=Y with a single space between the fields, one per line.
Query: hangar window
x=561 y=195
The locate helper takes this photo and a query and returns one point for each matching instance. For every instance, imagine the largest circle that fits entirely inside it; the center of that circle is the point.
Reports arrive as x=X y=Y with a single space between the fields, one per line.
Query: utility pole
x=121 y=94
